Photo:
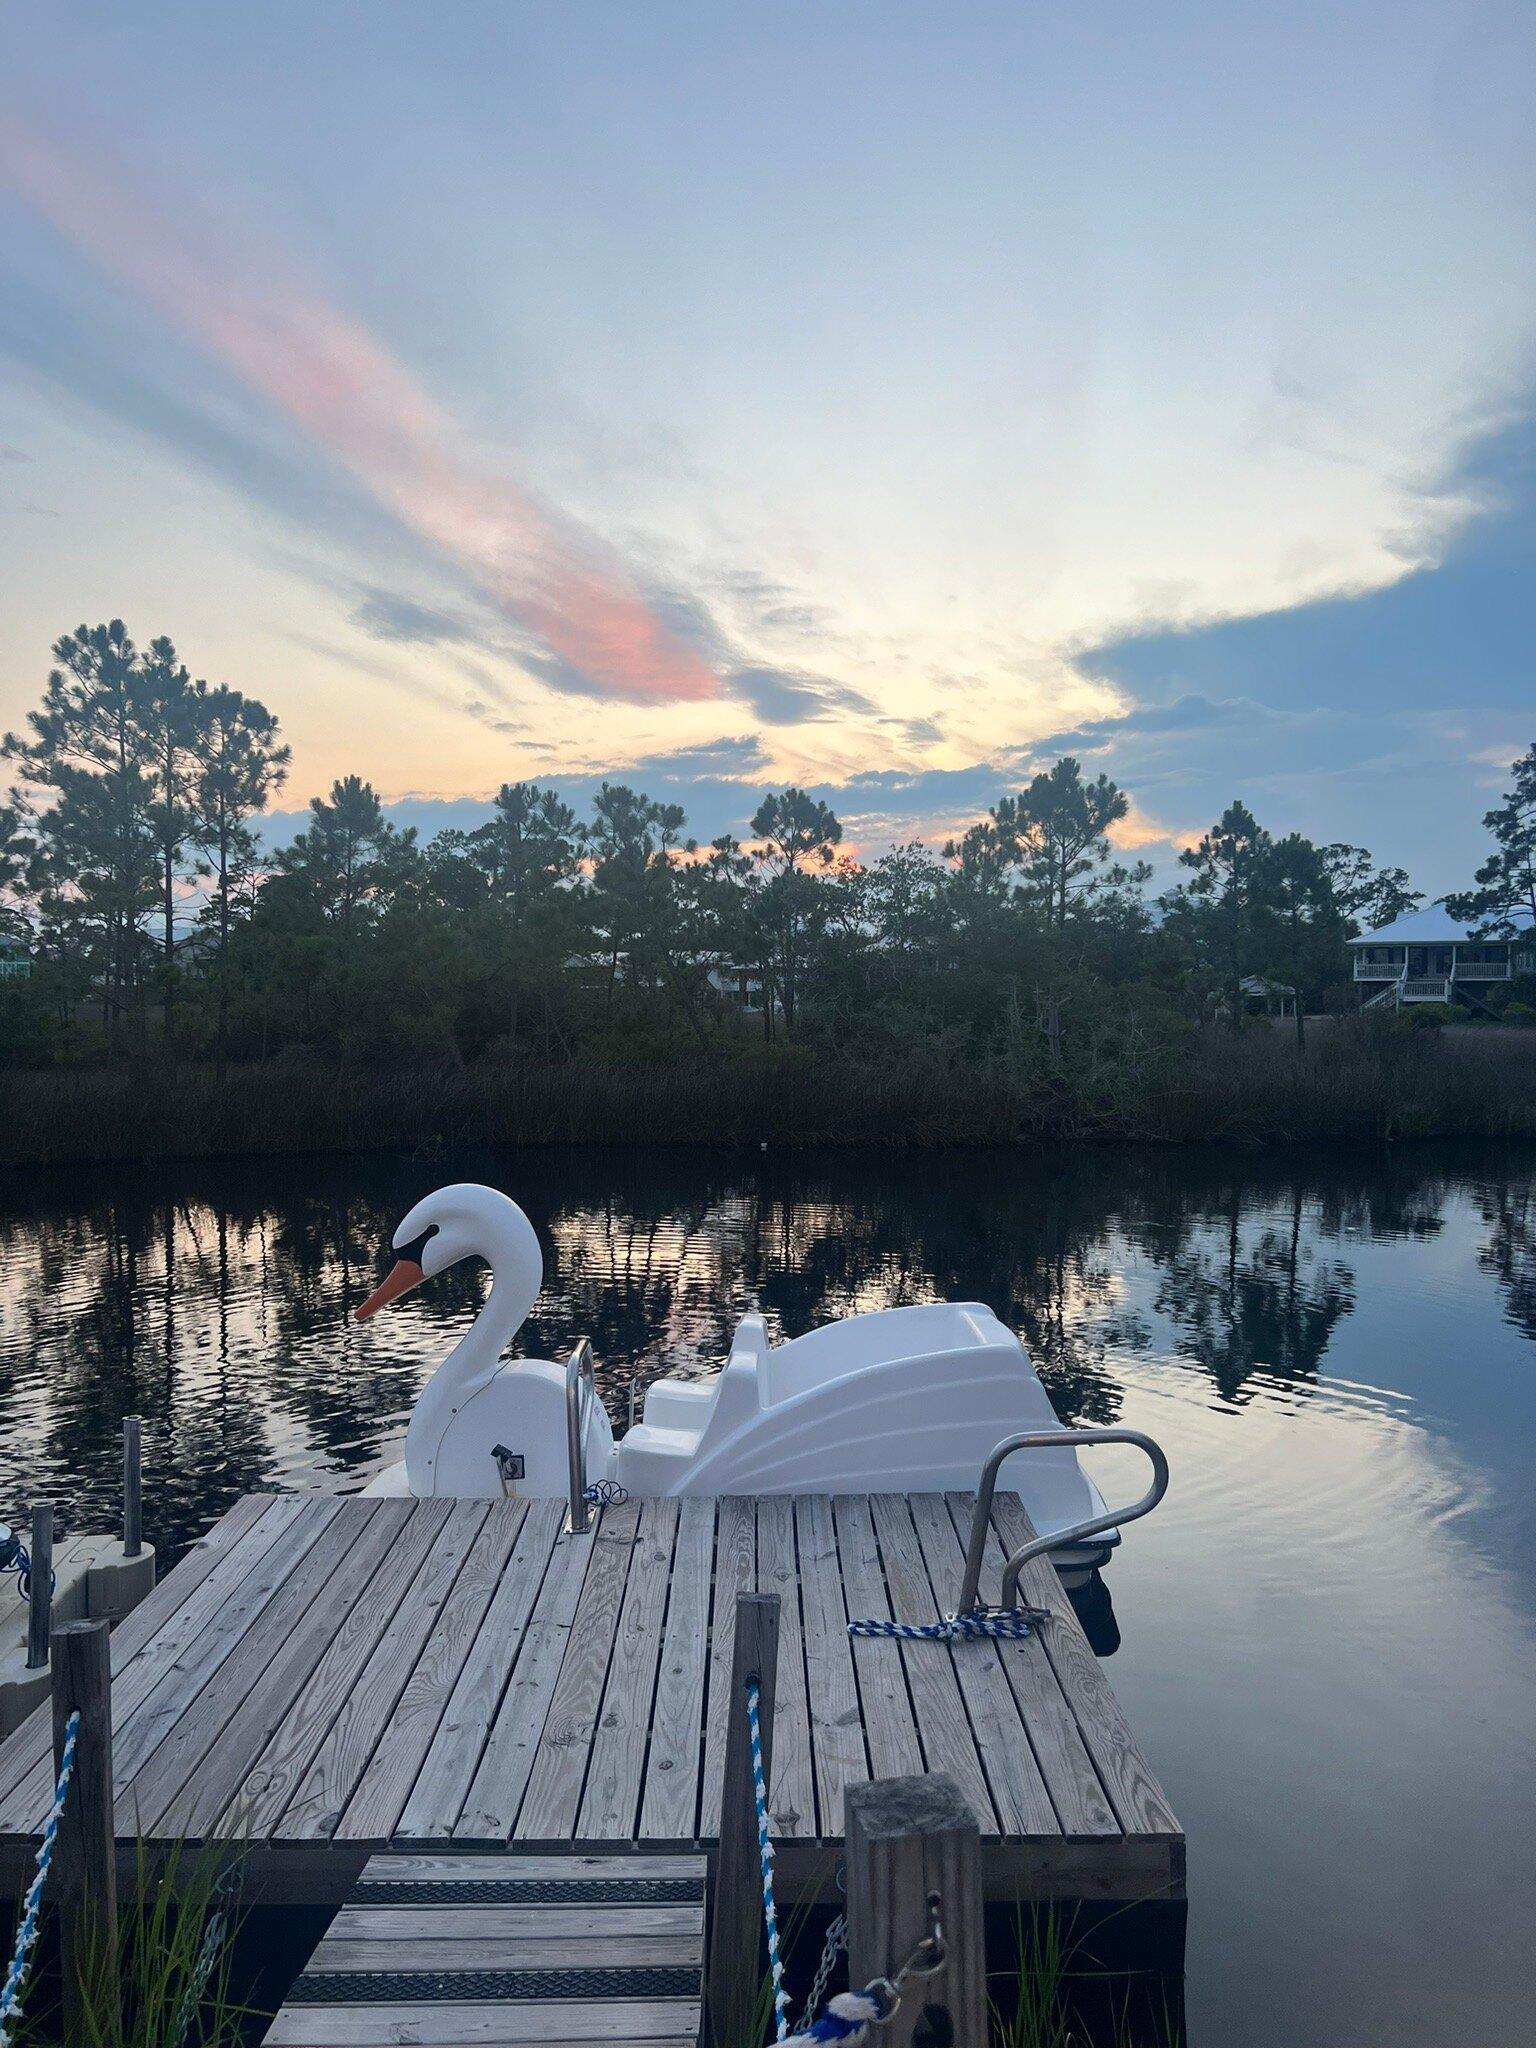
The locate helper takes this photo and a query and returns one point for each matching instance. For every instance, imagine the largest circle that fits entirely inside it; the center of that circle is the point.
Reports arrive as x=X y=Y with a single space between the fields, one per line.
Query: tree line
x=134 y=875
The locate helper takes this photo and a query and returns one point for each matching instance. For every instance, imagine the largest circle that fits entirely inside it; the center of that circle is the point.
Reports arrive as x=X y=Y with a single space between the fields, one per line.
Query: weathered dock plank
x=885 y=1704
x=507 y=1761
x=315 y=1810
x=1054 y=1736
x=467 y=1681
x=385 y=1786
x=948 y=1745
x=1018 y=1790
x=837 y=1731
x=438 y=1795
x=617 y=1757
x=671 y=1792
x=1138 y=1799
x=735 y=1572
x=792 y=1794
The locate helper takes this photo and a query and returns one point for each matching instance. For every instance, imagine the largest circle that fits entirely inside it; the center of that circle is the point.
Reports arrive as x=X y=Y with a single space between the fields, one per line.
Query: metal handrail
x=580 y=1394
x=1050 y=1440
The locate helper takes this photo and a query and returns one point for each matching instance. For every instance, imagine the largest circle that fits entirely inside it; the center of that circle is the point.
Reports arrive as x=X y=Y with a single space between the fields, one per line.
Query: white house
x=1427 y=957
x=15 y=961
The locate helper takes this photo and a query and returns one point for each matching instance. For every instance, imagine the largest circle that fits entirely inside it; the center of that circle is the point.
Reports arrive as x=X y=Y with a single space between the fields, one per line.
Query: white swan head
x=461 y=1222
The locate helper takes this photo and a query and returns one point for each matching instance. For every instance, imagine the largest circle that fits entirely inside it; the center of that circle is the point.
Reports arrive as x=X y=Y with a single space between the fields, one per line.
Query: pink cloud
x=355 y=400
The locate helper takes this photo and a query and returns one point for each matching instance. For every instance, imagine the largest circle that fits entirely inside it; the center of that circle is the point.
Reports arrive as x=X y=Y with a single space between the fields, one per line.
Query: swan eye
x=417 y=1245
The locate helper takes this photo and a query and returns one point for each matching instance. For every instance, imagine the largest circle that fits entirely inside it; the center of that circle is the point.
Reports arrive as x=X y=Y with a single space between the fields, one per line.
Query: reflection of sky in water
x=1327 y=1628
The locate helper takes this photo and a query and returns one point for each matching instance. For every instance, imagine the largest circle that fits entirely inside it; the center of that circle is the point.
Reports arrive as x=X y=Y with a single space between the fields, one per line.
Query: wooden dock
x=324 y=1678
x=558 y=1950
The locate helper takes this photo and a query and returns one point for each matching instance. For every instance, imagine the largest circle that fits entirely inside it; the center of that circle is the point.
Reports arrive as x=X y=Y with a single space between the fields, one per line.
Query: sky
x=876 y=397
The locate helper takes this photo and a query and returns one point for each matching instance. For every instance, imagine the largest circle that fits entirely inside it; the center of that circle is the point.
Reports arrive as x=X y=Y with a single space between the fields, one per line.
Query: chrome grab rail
x=580 y=1394
x=1050 y=1440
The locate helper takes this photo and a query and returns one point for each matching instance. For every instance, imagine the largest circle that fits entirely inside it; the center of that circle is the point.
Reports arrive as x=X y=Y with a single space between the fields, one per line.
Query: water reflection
x=213 y=1298
x=1510 y=1251
x=1333 y=1611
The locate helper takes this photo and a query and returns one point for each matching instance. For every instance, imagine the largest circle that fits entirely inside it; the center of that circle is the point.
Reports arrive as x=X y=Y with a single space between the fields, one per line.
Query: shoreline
x=1349 y=1085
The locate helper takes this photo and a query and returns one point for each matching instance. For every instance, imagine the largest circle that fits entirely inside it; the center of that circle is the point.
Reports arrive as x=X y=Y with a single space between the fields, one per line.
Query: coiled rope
x=1014 y=1623
x=31 y=1910
x=606 y=1493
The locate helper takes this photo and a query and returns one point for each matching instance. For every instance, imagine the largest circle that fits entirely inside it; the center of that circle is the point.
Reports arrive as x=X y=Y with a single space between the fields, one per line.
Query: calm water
x=1326 y=1632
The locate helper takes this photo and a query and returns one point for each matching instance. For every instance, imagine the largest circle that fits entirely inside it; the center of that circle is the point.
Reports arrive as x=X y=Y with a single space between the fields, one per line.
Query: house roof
x=1432 y=926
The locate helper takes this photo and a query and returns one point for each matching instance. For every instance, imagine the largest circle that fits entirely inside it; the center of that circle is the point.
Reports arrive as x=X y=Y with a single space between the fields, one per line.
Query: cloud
x=790 y=697
x=9 y=454
x=1458 y=629
x=385 y=615
x=1187 y=714
x=320 y=368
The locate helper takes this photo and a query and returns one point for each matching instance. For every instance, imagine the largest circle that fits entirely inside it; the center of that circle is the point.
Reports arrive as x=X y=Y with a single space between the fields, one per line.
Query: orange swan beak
x=402 y=1276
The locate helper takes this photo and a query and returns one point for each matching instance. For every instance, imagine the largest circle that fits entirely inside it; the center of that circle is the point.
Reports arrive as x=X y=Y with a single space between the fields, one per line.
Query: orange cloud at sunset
x=360 y=405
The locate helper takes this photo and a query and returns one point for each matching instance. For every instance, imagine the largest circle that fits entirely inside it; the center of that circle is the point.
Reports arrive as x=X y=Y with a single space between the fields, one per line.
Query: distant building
x=741 y=988
x=734 y=985
x=1265 y=998
x=1427 y=957
x=15 y=961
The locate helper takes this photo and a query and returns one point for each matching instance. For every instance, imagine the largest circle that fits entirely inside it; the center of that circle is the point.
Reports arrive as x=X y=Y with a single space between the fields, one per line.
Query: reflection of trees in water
x=214 y=1298
x=1510 y=1250
x=1251 y=1302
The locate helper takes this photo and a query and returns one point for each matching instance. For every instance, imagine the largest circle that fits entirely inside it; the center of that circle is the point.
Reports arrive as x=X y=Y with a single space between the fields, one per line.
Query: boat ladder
x=1058 y=1539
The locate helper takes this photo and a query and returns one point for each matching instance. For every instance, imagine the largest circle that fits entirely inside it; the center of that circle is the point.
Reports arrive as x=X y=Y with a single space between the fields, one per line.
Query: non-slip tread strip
x=485 y=1987
x=529 y=1891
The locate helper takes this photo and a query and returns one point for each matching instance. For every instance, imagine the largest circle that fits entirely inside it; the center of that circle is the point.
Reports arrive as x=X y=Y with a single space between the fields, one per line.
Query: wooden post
x=907 y=1838
x=736 y=1922
x=40 y=1598
x=84 y=1864
x=133 y=1488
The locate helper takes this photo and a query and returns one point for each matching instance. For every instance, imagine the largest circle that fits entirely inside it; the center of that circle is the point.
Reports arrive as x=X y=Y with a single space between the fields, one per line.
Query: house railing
x=1460 y=970
x=1433 y=988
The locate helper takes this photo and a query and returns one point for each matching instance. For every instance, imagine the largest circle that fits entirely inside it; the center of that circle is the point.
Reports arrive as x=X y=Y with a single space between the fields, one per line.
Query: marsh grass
x=176 y=1935
x=1357 y=1079
x=1037 y=2004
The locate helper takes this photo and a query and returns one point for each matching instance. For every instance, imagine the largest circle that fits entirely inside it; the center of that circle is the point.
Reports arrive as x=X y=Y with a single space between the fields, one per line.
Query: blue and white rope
x=847 y=2019
x=26 y=1933
x=1013 y=1623
x=765 y=1860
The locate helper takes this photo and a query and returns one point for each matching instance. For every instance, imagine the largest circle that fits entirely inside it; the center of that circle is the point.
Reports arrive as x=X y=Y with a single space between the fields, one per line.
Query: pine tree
x=1503 y=904
x=1226 y=895
x=798 y=835
x=239 y=765
x=92 y=752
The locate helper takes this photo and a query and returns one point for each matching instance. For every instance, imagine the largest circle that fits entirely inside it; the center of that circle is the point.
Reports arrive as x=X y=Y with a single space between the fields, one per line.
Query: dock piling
x=84 y=1863
x=40 y=1593
x=909 y=1840
x=737 y=1917
x=133 y=1488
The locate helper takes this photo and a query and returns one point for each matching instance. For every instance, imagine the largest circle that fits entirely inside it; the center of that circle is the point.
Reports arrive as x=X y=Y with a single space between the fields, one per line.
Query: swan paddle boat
x=901 y=1400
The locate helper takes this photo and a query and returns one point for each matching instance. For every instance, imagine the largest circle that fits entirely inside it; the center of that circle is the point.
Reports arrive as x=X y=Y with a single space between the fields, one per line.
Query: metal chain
x=849 y=2017
x=214 y=1934
x=836 y=1942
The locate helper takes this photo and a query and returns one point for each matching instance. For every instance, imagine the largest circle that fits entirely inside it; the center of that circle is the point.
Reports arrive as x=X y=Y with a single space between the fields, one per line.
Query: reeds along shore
x=1354 y=1080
